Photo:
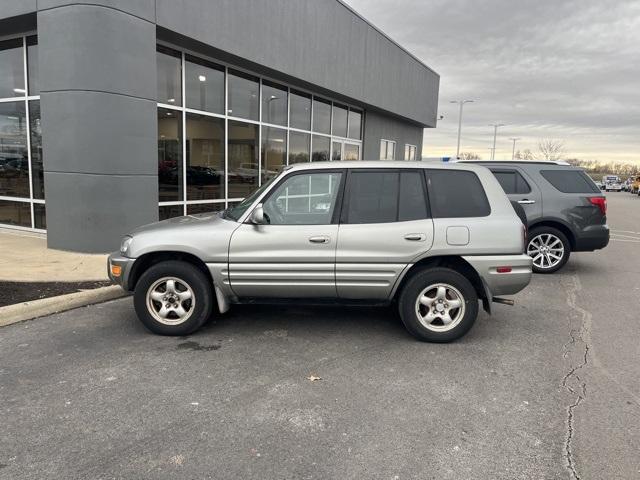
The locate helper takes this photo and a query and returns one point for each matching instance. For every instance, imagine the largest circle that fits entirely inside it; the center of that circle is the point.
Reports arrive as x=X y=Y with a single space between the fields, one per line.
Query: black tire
x=413 y=290
x=200 y=289
x=565 y=244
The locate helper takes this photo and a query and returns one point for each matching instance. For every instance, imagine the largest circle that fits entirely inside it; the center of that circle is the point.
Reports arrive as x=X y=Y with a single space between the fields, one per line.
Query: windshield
x=234 y=213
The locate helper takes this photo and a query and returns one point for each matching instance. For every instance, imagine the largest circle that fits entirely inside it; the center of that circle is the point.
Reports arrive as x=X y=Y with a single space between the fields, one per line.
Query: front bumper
x=125 y=264
x=507 y=282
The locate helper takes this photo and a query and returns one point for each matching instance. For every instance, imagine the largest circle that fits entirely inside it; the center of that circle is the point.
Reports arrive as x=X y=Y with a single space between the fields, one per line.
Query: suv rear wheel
x=549 y=248
x=438 y=305
x=173 y=298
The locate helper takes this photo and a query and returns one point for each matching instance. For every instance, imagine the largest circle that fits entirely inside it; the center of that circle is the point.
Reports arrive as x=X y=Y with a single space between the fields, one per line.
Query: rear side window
x=570 y=181
x=512 y=182
x=385 y=196
x=456 y=194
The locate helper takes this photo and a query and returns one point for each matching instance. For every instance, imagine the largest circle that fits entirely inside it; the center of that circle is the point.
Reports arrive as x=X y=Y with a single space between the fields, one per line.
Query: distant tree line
x=554 y=150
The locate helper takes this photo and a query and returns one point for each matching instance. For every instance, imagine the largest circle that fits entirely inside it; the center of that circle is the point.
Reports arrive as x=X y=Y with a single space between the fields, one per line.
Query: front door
x=293 y=254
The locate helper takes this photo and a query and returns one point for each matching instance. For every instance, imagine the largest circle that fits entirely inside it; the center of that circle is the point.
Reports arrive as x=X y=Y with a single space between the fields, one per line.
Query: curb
x=48 y=306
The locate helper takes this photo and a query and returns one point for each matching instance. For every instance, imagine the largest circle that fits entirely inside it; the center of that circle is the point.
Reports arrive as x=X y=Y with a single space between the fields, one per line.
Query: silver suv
x=432 y=238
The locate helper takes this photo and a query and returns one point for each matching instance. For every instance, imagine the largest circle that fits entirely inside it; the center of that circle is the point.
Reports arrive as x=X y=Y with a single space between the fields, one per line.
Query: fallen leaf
x=313 y=378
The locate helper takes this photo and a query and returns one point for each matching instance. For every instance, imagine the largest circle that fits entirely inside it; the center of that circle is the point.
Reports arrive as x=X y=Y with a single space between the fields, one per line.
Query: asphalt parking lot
x=549 y=388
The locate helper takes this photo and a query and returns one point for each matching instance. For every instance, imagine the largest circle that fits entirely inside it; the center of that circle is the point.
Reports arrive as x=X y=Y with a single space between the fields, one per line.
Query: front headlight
x=124 y=246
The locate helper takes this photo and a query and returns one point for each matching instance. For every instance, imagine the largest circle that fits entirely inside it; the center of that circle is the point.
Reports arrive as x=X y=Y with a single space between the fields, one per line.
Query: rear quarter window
x=570 y=181
x=456 y=194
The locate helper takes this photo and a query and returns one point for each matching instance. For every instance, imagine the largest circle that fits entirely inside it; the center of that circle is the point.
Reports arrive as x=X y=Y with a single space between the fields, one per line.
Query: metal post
x=513 y=153
x=495 y=134
x=461 y=103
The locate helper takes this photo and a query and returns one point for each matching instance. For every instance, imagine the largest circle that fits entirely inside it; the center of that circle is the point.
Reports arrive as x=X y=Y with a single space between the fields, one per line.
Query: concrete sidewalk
x=24 y=257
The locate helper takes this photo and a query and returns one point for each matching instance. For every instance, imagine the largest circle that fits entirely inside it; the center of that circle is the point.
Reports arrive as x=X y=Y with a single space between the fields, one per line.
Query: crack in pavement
x=572 y=381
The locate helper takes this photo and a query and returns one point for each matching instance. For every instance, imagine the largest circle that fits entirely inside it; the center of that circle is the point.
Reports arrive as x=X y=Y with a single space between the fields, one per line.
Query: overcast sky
x=559 y=69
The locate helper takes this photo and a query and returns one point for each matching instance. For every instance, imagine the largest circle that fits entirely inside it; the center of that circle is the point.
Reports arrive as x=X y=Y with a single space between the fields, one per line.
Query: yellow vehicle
x=635 y=186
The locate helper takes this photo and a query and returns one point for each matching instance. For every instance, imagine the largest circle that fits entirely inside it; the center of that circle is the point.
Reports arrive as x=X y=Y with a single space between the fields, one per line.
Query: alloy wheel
x=547 y=250
x=440 y=307
x=170 y=300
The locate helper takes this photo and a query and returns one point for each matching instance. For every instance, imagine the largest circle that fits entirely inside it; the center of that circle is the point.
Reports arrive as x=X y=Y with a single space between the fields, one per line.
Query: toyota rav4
x=432 y=238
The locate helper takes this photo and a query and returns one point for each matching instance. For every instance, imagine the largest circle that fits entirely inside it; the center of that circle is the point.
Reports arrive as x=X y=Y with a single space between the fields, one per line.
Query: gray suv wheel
x=549 y=249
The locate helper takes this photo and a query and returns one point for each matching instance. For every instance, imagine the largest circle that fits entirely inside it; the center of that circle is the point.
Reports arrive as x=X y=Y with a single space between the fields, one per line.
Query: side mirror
x=257 y=216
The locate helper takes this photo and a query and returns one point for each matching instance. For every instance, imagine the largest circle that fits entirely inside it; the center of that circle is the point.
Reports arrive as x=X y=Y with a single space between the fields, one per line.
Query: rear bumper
x=592 y=238
x=125 y=264
x=507 y=283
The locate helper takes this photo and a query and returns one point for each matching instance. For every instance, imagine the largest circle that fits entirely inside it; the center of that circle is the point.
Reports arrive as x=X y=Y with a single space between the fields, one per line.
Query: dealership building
x=117 y=113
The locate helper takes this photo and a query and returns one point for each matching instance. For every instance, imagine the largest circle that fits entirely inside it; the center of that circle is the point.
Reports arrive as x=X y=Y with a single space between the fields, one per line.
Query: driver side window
x=304 y=199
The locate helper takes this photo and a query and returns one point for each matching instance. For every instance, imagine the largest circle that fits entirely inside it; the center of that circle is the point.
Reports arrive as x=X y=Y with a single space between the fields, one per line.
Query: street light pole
x=495 y=134
x=513 y=153
x=461 y=103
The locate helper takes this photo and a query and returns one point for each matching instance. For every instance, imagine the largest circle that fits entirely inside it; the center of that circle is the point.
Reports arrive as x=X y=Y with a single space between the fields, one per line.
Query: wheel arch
x=453 y=262
x=144 y=262
x=558 y=225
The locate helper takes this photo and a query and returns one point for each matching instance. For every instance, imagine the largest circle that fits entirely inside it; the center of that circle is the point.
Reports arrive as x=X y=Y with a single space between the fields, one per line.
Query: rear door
x=520 y=188
x=384 y=225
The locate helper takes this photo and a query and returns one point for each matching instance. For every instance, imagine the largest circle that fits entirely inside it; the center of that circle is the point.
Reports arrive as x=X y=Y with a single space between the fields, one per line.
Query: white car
x=613 y=187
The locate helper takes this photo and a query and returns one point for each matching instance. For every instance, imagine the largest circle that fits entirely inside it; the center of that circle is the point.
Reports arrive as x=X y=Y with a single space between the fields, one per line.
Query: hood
x=204 y=235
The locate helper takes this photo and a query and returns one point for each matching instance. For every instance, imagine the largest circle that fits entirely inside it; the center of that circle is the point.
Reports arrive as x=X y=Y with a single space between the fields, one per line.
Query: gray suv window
x=456 y=194
x=570 y=181
x=511 y=181
x=385 y=196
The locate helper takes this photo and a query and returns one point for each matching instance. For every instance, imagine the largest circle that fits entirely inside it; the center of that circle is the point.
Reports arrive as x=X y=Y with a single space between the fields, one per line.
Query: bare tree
x=470 y=156
x=524 y=155
x=552 y=150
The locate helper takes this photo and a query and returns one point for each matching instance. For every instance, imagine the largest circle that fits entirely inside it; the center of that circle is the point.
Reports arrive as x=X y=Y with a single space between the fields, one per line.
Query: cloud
x=568 y=70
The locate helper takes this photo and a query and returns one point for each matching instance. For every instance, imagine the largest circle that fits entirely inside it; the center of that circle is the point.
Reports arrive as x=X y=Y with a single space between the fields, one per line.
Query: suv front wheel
x=549 y=248
x=173 y=298
x=438 y=305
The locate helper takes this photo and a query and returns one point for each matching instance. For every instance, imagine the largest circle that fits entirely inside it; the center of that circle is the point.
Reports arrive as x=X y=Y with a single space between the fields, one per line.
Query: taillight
x=600 y=202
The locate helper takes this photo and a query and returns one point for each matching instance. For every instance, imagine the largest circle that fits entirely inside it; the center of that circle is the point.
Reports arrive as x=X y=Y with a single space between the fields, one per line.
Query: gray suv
x=565 y=209
x=435 y=239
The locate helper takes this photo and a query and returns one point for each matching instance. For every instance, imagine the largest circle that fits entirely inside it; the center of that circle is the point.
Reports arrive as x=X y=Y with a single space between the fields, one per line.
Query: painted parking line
x=618 y=235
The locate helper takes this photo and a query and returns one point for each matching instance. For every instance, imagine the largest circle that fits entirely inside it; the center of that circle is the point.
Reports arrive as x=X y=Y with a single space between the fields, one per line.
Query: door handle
x=415 y=237
x=526 y=201
x=319 y=239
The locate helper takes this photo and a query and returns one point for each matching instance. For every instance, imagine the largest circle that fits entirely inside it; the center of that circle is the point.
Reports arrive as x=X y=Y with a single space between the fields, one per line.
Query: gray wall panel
x=84 y=47
x=97 y=209
x=94 y=132
x=13 y=8
x=378 y=126
x=141 y=8
x=318 y=41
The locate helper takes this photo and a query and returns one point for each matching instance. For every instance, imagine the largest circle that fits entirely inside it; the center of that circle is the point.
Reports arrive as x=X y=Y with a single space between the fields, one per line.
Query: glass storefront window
x=170 y=211
x=243 y=95
x=274 y=151
x=39 y=216
x=351 y=151
x=242 y=159
x=339 y=125
x=14 y=158
x=196 y=208
x=204 y=85
x=355 y=124
x=32 y=66
x=170 y=155
x=274 y=103
x=11 y=69
x=37 y=167
x=321 y=149
x=336 y=154
x=300 y=110
x=169 y=76
x=298 y=147
x=15 y=213
x=321 y=116
x=205 y=157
